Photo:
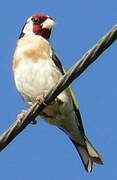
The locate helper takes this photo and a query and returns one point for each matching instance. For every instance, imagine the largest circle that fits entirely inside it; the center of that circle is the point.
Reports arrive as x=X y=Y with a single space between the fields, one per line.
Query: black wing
x=57 y=62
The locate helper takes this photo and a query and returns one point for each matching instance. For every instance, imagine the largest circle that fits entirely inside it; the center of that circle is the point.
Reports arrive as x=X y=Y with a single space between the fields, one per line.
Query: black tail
x=88 y=154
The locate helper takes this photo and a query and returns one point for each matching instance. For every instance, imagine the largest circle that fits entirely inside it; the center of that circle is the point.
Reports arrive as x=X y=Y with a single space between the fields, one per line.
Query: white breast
x=34 y=77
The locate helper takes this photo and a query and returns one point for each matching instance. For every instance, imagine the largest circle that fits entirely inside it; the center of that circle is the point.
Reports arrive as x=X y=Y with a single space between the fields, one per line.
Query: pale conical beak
x=48 y=24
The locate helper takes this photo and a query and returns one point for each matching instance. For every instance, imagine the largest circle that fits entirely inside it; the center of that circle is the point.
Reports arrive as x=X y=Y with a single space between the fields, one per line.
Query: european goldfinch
x=36 y=70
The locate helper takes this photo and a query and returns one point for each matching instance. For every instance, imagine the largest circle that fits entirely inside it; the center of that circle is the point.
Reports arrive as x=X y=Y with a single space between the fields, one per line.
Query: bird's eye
x=36 y=20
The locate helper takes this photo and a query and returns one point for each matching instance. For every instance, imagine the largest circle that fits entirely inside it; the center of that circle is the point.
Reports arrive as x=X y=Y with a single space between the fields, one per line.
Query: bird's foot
x=41 y=98
x=22 y=115
x=58 y=100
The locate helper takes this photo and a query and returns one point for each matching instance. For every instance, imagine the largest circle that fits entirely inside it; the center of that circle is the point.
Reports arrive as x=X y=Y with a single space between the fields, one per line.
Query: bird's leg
x=22 y=114
x=58 y=100
x=41 y=98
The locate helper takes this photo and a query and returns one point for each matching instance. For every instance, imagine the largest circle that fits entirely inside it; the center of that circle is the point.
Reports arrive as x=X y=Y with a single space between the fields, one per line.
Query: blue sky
x=42 y=151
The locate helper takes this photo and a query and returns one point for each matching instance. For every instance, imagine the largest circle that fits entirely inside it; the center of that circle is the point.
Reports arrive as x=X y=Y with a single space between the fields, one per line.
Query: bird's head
x=38 y=24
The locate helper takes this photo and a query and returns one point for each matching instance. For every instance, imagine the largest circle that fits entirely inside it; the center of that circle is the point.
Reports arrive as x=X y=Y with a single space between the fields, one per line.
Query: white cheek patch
x=28 y=29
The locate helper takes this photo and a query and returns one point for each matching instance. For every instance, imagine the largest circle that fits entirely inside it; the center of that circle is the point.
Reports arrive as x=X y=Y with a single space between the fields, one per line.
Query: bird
x=37 y=68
